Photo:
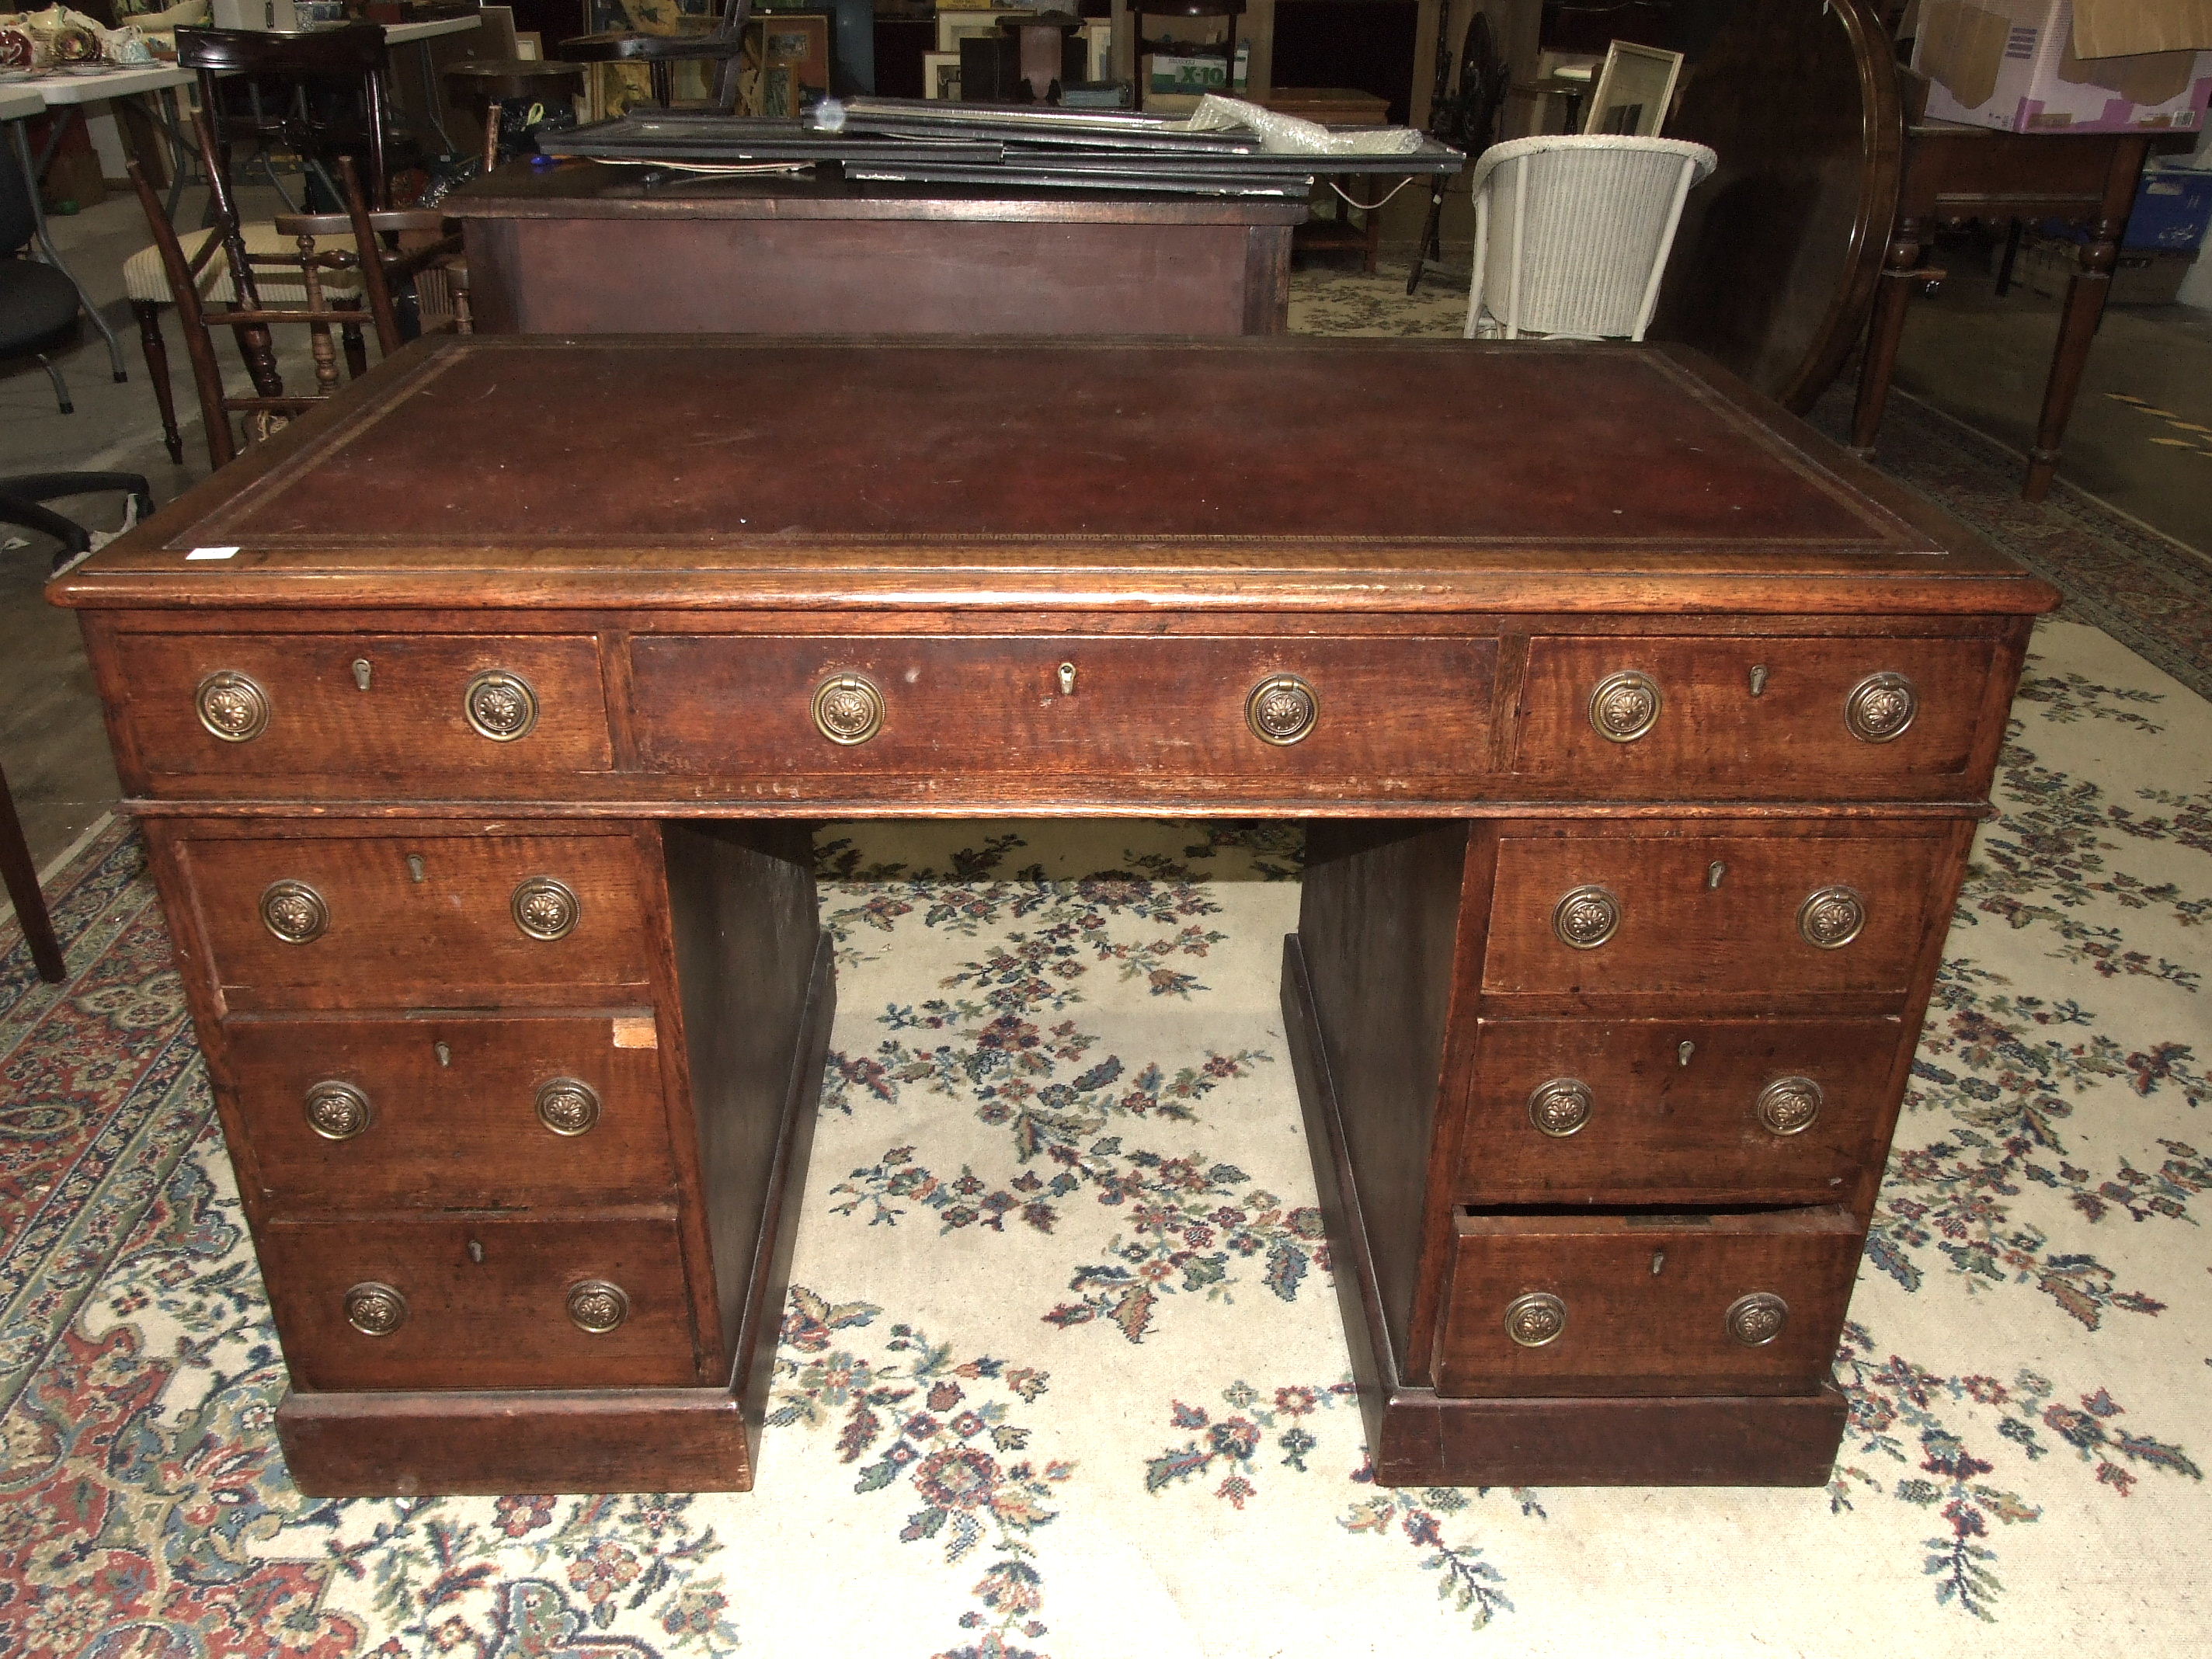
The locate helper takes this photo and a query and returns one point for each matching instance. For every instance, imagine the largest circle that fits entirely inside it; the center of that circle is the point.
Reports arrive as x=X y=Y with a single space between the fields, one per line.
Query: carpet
x=1061 y=1375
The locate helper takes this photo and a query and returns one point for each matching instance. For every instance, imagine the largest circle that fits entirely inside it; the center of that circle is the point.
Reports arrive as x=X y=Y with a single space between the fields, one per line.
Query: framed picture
x=784 y=52
x=954 y=27
x=940 y=75
x=1098 y=49
x=1634 y=90
x=529 y=45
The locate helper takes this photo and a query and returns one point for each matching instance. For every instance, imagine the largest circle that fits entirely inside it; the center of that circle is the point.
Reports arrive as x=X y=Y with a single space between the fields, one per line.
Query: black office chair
x=37 y=314
x=37 y=304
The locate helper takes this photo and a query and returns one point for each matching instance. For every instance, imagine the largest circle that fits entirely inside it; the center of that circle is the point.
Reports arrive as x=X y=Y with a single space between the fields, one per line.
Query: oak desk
x=476 y=784
x=586 y=248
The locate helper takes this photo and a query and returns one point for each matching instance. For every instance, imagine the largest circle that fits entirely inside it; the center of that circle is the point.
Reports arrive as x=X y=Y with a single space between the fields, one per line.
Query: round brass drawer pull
x=1787 y=1105
x=1879 y=707
x=567 y=1105
x=294 y=911
x=546 y=908
x=500 y=706
x=1535 y=1319
x=337 y=1111
x=1560 y=1107
x=847 y=709
x=1831 y=918
x=1756 y=1320
x=376 y=1310
x=232 y=705
x=597 y=1306
x=1625 y=706
x=1282 y=710
x=1586 y=918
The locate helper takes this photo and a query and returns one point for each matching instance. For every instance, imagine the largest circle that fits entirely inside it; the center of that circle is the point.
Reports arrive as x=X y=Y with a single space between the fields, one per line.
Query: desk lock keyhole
x=444 y=1053
x=417 y=871
x=476 y=1254
x=361 y=673
x=1683 y=1051
x=1066 y=675
x=1758 y=680
x=1658 y=1260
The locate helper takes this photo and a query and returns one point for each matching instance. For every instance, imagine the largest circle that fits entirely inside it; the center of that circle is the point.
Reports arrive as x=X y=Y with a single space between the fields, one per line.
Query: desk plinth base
x=1417 y=1438
x=489 y=1443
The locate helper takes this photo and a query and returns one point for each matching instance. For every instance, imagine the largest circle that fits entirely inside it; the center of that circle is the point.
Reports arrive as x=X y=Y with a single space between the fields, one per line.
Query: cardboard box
x=2020 y=65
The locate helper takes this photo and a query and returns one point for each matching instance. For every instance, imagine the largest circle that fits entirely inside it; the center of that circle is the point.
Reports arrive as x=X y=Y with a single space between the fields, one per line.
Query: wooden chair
x=372 y=261
x=20 y=877
x=235 y=65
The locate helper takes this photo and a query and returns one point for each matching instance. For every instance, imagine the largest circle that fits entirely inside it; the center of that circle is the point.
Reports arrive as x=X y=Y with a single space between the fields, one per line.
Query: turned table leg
x=1901 y=276
x=2086 y=293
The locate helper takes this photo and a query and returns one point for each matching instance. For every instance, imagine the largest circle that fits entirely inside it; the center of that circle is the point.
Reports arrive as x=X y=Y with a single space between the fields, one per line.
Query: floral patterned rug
x=1061 y=1375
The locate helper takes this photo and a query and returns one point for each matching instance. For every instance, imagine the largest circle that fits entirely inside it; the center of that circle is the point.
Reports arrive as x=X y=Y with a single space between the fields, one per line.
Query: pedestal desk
x=1640 y=734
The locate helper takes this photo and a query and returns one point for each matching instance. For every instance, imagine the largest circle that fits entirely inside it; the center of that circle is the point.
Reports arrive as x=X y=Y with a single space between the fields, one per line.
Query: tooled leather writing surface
x=645 y=441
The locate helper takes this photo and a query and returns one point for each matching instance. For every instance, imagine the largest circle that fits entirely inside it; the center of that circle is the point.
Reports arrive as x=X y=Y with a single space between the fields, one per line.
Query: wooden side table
x=1954 y=174
x=1338 y=106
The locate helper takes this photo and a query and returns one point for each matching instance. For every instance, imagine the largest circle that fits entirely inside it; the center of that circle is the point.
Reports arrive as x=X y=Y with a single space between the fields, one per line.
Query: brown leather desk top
x=1358 y=475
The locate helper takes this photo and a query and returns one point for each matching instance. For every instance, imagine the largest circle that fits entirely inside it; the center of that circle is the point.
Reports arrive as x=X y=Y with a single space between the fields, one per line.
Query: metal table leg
x=430 y=97
x=30 y=177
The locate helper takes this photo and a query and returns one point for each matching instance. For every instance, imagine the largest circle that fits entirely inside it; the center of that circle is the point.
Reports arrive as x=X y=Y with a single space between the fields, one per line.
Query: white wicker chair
x=1571 y=233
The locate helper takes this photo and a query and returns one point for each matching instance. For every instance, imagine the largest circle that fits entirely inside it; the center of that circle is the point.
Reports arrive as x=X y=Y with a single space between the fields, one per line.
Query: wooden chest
x=477 y=722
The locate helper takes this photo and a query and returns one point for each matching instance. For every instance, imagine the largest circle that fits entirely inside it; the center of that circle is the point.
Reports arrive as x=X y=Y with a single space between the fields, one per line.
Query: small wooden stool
x=488 y=83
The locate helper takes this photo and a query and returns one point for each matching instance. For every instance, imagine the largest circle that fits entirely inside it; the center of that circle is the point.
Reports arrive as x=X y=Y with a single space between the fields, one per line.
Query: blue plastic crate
x=2173 y=207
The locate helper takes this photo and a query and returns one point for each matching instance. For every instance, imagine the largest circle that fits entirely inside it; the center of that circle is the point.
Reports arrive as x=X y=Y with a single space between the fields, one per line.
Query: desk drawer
x=489 y=1303
x=1262 y=717
x=1673 y=1111
x=454 y=1112
x=1645 y=1304
x=435 y=920
x=363 y=714
x=1669 y=909
x=1818 y=718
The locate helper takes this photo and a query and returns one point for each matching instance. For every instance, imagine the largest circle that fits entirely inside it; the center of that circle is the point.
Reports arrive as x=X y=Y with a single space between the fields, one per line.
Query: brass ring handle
x=848 y=708
x=1585 y=918
x=1561 y=1107
x=1879 y=707
x=1282 y=710
x=294 y=912
x=1788 y=1105
x=597 y=1306
x=500 y=706
x=1832 y=917
x=567 y=1105
x=232 y=706
x=545 y=907
x=1535 y=1319
x=376 y=1310
x=337 y=1110
x=1756 y=1320
x=1624 y=706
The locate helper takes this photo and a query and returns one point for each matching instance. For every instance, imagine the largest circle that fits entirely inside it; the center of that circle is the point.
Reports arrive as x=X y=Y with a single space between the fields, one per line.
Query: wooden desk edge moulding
x=475 y=731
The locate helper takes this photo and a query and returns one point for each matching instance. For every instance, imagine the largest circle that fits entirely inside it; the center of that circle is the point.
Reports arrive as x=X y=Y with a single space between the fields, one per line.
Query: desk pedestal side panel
x=518 y=1112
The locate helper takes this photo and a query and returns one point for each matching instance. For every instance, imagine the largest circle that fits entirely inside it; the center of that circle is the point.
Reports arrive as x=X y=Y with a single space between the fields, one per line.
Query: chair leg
x=350 y=337
x=61 y=386
x=20 y=877
x=157 y=370
x=662 y=74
